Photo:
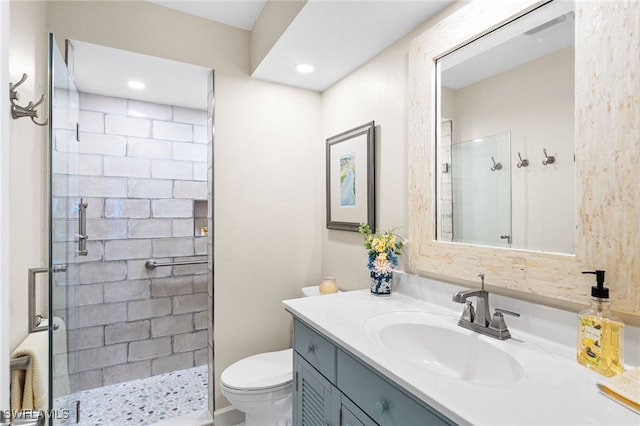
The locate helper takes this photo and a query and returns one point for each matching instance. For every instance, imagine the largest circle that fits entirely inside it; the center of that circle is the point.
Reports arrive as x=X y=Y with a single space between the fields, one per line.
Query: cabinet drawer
x=383 y=401
x=317 y=350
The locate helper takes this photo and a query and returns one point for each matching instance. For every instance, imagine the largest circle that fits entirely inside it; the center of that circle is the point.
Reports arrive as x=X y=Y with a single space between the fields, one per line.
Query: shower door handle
x=82 y=228
x=34 y=319
x=506 y=237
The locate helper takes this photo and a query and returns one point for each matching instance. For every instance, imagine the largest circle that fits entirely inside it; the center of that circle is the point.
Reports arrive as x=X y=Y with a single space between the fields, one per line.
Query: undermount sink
x=436 y=342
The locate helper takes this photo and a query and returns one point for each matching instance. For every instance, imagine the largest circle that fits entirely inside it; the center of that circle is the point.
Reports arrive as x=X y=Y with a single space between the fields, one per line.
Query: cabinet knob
x=310 y=348
x=381 y=406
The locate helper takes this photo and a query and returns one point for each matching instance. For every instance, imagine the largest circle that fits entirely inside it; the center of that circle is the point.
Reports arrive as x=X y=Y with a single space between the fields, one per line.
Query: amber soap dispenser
x=600 y=332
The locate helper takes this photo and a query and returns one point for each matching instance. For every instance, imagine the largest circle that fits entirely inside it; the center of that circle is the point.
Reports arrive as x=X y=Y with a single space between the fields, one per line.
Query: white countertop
x=563 y=394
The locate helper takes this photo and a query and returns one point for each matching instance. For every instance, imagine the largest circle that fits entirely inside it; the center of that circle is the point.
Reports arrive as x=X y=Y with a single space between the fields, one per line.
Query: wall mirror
x=505 y=146
x=605 y=114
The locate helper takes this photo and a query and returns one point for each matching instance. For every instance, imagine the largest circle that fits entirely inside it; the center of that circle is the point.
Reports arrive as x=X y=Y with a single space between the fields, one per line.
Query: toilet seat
x=270 y=371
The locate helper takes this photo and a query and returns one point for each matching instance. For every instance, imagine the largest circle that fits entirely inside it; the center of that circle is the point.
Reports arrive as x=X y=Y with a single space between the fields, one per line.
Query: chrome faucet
x=480 y=319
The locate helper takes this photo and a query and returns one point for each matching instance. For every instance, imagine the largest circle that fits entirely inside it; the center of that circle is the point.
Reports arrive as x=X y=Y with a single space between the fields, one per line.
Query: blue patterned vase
x=381 y=284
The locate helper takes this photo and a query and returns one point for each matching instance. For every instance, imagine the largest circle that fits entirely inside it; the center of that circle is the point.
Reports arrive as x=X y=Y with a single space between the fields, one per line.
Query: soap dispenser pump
x=600 y=332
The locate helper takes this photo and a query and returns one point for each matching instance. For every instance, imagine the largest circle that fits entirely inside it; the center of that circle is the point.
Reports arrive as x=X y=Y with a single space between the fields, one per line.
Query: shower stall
x=475 y=190
x=131 y=285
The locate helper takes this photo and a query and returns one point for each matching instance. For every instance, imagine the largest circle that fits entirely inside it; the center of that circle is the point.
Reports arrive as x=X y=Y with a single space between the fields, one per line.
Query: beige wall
x=267 y=212
x=28 y=202
x=376 y=91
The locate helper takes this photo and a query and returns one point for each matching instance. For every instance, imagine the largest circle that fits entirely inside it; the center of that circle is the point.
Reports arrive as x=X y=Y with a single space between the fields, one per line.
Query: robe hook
x=523 y=162
x=496 y=166
x=18 y=111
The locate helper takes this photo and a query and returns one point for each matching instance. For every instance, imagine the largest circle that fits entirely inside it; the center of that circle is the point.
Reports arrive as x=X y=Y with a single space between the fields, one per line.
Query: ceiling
x=237 y=13
x=534 y=35
x=336 y=37
x=98 y=69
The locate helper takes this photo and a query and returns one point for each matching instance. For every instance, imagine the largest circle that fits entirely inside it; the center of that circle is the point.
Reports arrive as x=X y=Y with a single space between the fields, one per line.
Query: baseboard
x=227 y=416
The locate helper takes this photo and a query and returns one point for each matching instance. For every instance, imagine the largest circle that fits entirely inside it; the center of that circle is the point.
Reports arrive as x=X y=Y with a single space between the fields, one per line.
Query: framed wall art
x=351 y=179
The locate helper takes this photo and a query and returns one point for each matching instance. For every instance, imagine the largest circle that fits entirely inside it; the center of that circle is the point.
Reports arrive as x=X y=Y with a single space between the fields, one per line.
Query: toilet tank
x=314 y=290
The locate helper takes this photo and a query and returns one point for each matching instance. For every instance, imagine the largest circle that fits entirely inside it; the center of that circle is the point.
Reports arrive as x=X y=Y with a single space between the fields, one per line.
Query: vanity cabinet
x=316 y=401
x=333 y=388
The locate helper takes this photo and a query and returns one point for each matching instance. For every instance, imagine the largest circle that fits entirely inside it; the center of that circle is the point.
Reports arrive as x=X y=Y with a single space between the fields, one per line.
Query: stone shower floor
x=144 y=401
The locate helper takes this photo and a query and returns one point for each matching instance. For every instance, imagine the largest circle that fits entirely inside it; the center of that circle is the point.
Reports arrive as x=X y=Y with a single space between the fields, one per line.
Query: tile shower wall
x=446 y=199
x=141 y=166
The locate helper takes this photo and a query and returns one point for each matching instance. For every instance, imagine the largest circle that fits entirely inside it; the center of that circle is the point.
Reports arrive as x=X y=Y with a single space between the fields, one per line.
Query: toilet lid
x=261 y=371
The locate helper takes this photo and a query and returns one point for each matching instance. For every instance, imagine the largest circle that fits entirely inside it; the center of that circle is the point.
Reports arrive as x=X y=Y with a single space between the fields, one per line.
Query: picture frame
x=350 y=178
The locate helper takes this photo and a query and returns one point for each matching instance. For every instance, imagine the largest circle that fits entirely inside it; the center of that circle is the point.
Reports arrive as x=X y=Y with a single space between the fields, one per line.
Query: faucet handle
x=504 y=311
x=497 y=323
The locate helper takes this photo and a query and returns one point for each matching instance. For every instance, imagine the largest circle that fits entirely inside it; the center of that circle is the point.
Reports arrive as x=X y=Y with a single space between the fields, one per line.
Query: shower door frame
x=65 y=233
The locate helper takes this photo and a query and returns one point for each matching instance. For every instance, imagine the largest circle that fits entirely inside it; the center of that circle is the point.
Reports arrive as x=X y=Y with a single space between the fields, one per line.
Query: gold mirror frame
x=607 y=157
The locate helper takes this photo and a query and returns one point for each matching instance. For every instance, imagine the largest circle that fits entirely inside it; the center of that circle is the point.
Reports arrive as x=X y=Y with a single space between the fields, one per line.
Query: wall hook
x=496 y=166
x=522 y=162
x=548 y=159
x=18 y=111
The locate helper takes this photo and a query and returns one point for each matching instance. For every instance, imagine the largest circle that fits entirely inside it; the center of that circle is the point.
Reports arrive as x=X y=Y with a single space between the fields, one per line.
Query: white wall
x=28 y=199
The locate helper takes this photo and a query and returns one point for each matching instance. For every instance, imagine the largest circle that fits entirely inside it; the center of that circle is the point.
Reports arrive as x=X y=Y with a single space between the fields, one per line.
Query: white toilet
x=261 y=385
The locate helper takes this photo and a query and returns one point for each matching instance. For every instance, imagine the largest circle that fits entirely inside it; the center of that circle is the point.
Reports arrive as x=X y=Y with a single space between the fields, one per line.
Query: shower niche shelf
x=200 y=222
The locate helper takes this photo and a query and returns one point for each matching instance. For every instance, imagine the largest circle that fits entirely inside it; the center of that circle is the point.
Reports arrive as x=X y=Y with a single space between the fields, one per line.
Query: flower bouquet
x=383 y=249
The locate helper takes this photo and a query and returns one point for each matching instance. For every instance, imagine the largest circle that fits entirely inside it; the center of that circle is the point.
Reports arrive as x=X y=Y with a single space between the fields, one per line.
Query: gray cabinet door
x=316 y=400
x=351 y=415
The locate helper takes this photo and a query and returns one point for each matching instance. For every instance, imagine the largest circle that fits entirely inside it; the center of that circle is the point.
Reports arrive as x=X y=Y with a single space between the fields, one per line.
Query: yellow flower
x=392 y=242
x=382 y=256
x=381 y=247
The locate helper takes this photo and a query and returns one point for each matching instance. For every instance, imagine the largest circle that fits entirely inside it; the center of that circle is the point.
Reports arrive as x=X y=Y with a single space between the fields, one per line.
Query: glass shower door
x=67 y=241
x=481 y=191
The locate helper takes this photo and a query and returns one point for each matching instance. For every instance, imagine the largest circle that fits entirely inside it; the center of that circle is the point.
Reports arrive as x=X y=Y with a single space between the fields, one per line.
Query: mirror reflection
x=480 y=210
x=506 y=136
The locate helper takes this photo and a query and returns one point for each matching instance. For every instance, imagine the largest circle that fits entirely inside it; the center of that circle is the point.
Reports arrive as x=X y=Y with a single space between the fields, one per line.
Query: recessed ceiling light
x=136 y=85
x=304 y=68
